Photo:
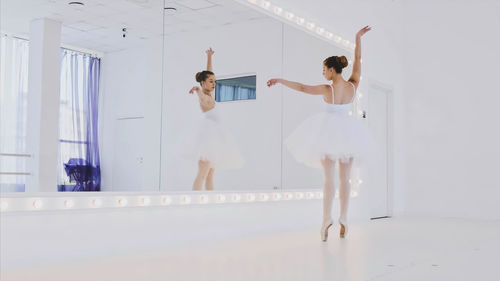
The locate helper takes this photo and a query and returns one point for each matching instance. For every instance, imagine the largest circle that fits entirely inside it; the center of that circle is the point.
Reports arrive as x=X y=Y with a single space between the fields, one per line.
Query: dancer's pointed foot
x=343 y=228
x=324 y=230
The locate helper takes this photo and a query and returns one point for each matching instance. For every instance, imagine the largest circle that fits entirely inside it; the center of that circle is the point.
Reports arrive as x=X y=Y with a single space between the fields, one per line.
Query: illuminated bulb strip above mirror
x=300 y=22
x=93 y=201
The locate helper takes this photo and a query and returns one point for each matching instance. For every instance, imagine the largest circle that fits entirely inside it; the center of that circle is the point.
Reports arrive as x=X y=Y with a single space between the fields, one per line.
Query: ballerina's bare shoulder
x=207 y=102
x=342 y=93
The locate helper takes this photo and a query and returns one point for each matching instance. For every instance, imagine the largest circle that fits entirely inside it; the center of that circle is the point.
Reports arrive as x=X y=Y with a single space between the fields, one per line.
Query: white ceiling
x=98 y=24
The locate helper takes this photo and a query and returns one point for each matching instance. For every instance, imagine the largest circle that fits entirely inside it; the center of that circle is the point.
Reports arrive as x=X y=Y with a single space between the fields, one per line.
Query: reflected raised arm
x=210 y=53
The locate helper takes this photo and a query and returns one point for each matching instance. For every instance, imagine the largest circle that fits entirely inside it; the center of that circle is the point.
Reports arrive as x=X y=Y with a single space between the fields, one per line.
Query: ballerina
x=332 y=135
x=208 y=142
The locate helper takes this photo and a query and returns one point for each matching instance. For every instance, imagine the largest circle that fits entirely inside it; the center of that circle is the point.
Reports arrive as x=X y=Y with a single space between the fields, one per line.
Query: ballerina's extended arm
x=356 y=68
x=307 y=89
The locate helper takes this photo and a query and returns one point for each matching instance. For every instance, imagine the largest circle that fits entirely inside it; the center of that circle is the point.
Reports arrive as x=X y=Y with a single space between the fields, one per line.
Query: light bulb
x=236 y=197
x=4 y=205
x=278 y=10
x=122 y=202
x=337 y=38
x=68 y=203
x=186 y=199
x=319 y=195
x=266 y=4
x=320 y=30
x=203 y=199
x=253 y=1
x=166 y=200
x=250 y=197
x=97 y=203
x=276 y=196
x=37 y=204
x=263 y=197
x=299 y=195
x=289 y=16
x=352 y=46
x=145 y=201
x=300 y=21
x=288 y=196
x=309 y=195
x=345 y=42
x=310 y=25
x=221 y=198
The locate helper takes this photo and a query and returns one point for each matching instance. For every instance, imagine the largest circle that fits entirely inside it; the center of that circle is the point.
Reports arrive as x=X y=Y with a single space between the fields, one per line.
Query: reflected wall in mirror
x=99 y=96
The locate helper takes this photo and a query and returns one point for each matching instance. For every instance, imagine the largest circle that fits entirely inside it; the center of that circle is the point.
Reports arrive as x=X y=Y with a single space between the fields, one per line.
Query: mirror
x=148 y=54
x=248 y=114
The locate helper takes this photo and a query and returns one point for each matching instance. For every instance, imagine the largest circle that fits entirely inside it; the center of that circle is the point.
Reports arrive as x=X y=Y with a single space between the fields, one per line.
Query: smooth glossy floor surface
x=386 y=249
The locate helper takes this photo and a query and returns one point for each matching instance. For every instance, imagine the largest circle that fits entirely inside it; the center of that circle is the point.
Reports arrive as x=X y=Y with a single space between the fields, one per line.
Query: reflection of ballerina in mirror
x=333 y=134
x=208 y=142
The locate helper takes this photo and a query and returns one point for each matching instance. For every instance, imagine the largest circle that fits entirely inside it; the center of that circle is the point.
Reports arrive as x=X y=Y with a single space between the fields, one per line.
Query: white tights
x=329 y=188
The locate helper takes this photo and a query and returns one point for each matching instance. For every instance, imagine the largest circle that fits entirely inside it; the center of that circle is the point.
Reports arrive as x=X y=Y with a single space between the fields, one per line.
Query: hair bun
x=198 y=77
x=343 y=61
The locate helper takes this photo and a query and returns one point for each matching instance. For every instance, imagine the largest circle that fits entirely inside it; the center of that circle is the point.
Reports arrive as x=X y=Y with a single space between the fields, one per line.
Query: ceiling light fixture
x=76 y=3
x=169 y=10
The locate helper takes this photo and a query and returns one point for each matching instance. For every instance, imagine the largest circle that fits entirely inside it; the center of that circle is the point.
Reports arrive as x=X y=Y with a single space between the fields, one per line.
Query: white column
x=43 y=104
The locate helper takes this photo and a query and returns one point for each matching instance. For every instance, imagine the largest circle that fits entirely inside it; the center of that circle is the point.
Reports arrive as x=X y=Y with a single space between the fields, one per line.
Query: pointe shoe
x=324 y=230
x=343 y=229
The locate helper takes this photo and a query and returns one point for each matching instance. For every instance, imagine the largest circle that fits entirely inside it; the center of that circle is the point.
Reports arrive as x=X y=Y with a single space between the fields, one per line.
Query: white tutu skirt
x=328 y=134
x=208 y=140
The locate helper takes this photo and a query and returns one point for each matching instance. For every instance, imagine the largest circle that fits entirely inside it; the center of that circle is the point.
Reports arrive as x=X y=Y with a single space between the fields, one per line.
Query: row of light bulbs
x=164 y=200
x=300 y=21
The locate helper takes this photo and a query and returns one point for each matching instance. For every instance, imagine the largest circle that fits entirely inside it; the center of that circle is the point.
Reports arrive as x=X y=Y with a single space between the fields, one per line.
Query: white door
x=128 y=154
x=378 y=116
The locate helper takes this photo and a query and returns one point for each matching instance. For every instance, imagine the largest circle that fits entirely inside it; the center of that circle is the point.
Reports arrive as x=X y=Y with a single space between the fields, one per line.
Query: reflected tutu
x=209 y=140
x=333 y=134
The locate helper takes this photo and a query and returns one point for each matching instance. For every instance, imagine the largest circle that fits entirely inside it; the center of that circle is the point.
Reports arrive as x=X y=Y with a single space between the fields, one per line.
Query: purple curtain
x=78 y=141
x=92 y=128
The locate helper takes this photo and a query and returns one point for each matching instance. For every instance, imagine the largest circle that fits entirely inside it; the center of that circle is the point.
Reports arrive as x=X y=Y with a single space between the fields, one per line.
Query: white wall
x=451 y=69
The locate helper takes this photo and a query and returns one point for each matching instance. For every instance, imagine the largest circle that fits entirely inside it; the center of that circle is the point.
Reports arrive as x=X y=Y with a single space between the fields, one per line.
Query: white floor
x=386 y=249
